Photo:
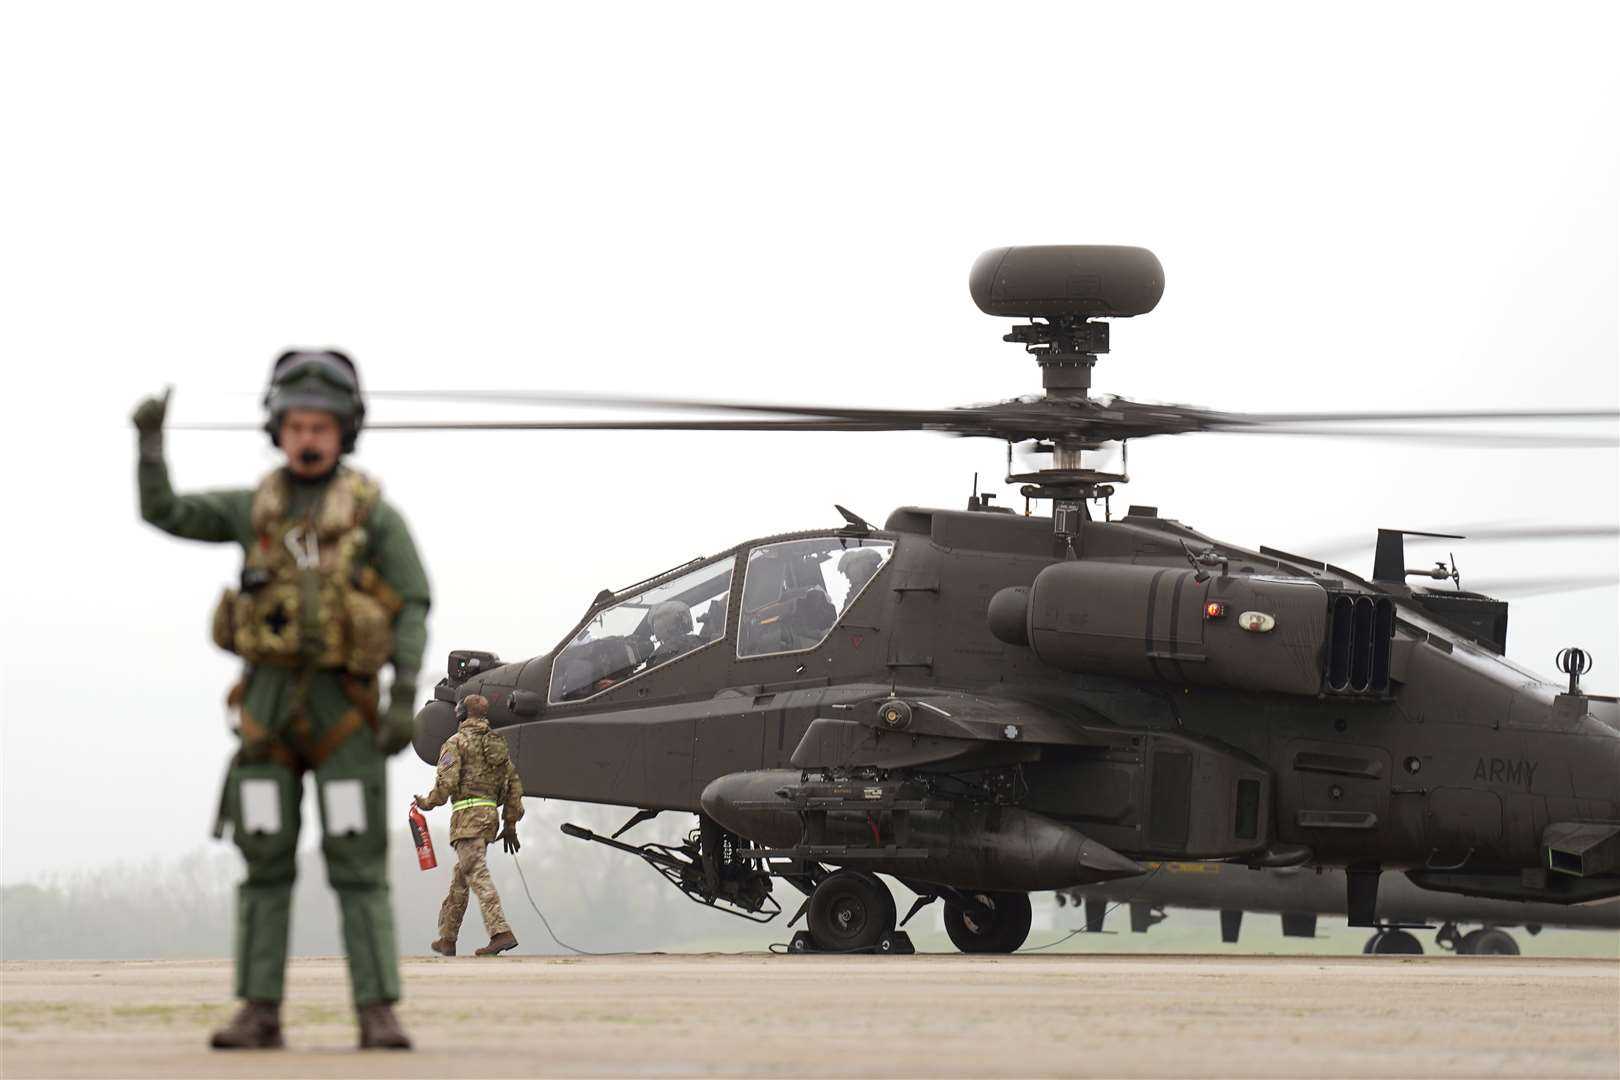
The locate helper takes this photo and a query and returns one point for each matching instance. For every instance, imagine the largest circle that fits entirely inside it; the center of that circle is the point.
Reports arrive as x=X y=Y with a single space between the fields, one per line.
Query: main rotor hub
x=1065 y=347
x=1067 y=288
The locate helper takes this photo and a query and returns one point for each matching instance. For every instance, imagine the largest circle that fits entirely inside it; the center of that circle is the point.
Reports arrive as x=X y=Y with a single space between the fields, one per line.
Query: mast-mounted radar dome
x=1067 y=281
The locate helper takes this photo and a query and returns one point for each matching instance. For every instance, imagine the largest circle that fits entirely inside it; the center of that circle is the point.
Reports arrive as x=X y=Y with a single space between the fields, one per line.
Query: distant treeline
x=595 y=898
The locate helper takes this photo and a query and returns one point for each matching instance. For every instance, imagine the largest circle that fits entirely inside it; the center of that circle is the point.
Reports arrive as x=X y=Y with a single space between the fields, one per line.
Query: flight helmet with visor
x=323 y=379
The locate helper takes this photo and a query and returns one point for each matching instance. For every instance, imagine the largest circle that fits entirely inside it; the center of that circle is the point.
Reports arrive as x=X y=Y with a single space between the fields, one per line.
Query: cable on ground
x=547 y=923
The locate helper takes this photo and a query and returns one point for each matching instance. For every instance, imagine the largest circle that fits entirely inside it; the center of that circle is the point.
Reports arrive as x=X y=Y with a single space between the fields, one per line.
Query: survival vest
x=307 y=597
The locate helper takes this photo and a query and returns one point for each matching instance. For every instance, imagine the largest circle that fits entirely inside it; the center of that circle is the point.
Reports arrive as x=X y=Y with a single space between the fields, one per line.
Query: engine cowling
x=1240 y=631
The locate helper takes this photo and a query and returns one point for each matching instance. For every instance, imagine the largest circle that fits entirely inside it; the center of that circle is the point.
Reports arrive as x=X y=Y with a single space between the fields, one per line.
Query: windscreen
x=655 y=626
x=795 y=592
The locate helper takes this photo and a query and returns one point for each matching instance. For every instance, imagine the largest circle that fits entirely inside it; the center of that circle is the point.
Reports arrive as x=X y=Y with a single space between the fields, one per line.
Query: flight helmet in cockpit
x=672 y=627
x=858 y=565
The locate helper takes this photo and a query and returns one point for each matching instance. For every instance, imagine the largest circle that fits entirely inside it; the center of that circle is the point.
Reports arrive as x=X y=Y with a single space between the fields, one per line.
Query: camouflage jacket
x=476 y=764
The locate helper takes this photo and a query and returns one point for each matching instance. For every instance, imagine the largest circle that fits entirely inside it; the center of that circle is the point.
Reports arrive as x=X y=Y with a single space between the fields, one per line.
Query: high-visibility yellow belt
x=468 y=804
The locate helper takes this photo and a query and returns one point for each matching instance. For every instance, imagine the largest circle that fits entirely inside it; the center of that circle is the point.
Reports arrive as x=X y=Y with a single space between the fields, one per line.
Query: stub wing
x=956 y=730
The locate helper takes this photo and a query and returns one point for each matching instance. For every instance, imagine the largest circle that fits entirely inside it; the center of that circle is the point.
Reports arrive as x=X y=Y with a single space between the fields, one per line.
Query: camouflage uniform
x=308 y=701
x=476 y=776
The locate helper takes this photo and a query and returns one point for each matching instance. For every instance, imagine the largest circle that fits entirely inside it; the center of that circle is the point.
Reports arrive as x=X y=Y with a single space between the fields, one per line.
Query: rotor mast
x=1065 y=291
x=1066 y=348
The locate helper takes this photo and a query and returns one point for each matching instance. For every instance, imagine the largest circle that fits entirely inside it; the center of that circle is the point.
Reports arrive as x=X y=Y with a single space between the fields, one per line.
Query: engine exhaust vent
x=1361 y=630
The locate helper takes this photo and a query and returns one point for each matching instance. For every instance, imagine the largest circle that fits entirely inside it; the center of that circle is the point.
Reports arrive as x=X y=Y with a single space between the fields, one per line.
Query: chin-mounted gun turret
x=707 y=867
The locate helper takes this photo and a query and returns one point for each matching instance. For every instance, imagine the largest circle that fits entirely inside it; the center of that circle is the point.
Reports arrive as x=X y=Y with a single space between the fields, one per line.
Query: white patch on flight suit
x=261 y=806
x=344 y=802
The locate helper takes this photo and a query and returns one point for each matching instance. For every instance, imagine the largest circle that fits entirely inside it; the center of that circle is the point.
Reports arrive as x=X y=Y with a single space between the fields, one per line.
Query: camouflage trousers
x=471 y=873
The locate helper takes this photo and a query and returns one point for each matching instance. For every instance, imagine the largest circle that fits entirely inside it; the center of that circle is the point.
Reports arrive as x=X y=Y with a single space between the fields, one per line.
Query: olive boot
x=444 y=947
x=256 y=1026
x=498 y=944
x=379 y=1028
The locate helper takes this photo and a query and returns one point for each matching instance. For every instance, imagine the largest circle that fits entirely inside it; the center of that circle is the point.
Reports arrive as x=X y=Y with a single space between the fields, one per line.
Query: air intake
x=1360 y=631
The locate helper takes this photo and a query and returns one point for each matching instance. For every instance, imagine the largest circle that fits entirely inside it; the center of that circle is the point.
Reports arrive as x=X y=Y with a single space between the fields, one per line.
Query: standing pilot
x=331 y=591
x=477 y=777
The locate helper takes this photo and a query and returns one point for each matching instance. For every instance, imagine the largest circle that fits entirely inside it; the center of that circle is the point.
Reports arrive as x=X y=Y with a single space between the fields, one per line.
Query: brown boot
x=498 y=944
x=256 y=1026
x=379 y=1028
x=444 y=947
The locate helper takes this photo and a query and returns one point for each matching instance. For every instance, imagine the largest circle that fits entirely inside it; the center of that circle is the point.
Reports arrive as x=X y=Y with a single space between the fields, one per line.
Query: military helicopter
x=979 y=703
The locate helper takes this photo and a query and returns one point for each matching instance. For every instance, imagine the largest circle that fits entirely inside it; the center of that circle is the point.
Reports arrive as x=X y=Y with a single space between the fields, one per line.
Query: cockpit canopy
x=793 y=594
x=649 y=628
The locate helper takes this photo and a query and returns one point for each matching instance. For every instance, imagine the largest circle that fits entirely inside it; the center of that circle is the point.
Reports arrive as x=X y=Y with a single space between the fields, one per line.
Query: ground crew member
x=477 y=777
x=331 y=591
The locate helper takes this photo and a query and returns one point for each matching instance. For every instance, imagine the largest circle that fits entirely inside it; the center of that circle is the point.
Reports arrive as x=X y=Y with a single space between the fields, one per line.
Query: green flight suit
x=287 y=710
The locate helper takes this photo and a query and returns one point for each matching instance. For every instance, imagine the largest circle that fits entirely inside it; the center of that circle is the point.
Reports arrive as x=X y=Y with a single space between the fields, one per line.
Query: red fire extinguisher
x=423 y=839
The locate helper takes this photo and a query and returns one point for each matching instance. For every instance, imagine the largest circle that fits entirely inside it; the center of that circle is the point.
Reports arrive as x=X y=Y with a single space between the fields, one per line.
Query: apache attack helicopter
x=980 y=704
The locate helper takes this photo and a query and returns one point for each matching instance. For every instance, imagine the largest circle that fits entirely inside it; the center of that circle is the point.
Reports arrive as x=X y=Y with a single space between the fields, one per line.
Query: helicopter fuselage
x=1158 y=705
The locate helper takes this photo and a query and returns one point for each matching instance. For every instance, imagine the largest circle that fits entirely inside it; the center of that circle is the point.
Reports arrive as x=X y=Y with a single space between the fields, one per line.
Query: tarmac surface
x=761 y=1015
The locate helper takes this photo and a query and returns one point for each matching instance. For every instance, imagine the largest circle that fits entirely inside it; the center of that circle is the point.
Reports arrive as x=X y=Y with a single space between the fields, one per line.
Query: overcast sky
x=1360 y=205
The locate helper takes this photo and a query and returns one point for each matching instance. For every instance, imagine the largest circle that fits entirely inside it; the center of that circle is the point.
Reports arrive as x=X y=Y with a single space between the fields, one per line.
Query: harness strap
x=349 y=723
x=371 y=582
x=308 y=753
x=254 y=732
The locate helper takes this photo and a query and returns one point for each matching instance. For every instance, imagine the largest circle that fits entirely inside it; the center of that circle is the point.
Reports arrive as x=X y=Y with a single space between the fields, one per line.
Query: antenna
x=1574 y=662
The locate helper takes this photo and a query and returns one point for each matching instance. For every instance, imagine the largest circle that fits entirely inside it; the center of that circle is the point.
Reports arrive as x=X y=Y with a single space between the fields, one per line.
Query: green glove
x=148 y=419
x=396 y=727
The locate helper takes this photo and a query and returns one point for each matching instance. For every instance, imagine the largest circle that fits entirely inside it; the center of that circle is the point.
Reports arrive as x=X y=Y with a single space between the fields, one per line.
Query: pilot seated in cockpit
x=672 y=627
x=858 y=565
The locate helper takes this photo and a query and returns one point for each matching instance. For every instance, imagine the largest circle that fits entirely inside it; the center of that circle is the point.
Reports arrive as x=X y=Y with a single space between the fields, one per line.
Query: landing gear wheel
x=850 y=911
x=891 y=913
x=1398 y=942
x=1003 y=932
x=1488 y=942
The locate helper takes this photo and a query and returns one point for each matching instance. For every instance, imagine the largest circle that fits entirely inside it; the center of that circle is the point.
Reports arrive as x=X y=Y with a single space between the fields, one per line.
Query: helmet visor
x=303 y=368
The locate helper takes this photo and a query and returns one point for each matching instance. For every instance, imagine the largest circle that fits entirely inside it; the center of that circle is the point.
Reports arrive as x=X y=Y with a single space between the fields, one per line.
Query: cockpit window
x=794 y=592
x=653 y=627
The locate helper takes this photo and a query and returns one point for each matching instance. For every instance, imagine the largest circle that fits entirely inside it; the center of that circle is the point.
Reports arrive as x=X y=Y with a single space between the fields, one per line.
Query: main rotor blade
x=1012 y=430
x=1482 y=439
x=1524 y=588
x=1095 y=419
x=569 y=399
x=1538 y=532
x=590 y=425
x=1429 y=415
x=1083 y=421
x=572 y=399
x=1509 y=532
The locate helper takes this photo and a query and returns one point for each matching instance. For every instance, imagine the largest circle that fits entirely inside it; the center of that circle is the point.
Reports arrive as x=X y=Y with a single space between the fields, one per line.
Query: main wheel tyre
x=1398 y=942
x=1000 y=928
x=1488 y=942
x=891 y=912
x=850 y=911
